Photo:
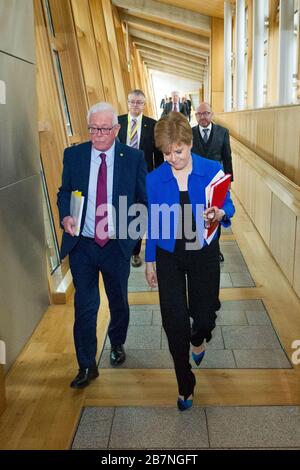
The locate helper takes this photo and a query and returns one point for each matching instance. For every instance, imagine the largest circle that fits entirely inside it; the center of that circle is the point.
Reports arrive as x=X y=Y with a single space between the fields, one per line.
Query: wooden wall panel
x=273 y=203
x=62 y=18
x=283 y=232
x=262 y=210
x=114 y=55
x=287 y=142
x=272 y=133
x=53 y=136
x=122 y=51
x=296 y=283
x=217 y=64
x=264 y=143
x=102 y=45
x=88 y=51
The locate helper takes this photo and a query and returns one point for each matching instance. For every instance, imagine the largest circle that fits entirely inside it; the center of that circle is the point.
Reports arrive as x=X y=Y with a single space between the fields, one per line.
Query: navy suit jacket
x=128 y=180
x=153 y=156
x=217 y=147
x=168 y=108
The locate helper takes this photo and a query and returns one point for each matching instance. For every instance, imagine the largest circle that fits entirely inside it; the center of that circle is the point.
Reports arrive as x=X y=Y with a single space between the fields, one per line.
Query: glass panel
x=63 y=94
x=296 y=51
x=51 y=241
x=266 y=49
x=49 y=16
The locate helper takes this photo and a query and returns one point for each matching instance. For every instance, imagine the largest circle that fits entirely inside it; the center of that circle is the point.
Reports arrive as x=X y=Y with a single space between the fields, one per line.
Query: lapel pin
x=121 y=154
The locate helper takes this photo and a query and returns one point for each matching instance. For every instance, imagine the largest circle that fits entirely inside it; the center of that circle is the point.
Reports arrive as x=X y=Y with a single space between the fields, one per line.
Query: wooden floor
x=43 y=411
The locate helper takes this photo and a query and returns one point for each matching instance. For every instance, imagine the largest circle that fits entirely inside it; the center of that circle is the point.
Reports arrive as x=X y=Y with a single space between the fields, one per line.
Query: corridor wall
x=23 y=281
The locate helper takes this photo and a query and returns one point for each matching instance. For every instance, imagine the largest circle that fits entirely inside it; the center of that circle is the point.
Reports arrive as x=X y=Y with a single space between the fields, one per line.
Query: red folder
x=217 y=195
x=218 y=191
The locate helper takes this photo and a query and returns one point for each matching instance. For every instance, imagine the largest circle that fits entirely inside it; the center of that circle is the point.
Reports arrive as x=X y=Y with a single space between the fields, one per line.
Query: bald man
x=212 y=141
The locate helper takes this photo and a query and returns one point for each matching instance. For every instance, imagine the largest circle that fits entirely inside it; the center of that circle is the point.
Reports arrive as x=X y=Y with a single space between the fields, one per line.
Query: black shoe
x=84 y=377
x=136 y=261
x=117 y=355
x=221 y=257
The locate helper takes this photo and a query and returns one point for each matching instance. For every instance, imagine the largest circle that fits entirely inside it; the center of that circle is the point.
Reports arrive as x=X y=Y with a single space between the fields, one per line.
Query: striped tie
x=134 y=135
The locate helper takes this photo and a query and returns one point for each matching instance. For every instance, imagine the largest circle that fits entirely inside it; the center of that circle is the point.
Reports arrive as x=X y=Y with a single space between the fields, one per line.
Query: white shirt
x=203 y=133
x=89 y=223
x=139 y=127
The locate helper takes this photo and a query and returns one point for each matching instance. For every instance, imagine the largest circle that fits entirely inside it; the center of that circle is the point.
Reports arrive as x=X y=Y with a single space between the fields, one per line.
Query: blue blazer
x=129 y=180
x=162 y=188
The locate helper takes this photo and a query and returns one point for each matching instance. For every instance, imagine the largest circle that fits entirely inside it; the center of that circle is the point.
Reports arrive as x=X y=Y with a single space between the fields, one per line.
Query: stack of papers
x=76 y=207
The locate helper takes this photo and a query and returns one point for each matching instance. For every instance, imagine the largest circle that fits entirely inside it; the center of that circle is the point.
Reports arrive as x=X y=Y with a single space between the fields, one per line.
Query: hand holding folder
x=76 y=207
x=215 y=197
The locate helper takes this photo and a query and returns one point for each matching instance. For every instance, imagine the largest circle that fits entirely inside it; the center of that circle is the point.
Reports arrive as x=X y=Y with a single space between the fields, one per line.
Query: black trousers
x=188 y=284
x=137 y=248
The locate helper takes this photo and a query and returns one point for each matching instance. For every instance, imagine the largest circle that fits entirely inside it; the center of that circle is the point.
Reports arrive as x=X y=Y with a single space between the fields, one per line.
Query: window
x=49 y=16
x=246 y=57
x=266 y=48
x=51 y=241
x=63 y=94
x=58 y=70
x=296 y=81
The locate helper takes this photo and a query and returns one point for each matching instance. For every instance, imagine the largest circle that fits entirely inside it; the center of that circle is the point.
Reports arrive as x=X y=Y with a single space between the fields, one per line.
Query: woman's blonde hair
x=171 y=129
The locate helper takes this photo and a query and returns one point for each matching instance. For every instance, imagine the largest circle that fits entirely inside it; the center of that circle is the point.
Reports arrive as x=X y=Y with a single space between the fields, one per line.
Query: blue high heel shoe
x=184 y=404
x=198 y=357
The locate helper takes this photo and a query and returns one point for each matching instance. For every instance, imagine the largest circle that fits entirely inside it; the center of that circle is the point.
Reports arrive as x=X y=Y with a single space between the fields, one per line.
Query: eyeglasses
x=136 y=102
x=102 y=130
x=205 y=114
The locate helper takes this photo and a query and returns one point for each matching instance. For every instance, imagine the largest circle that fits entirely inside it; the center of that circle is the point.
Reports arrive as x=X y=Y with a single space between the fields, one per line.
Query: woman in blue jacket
x=178 y=257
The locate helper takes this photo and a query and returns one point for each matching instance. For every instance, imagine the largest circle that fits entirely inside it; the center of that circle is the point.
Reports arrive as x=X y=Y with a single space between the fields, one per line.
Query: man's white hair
x=103 y=107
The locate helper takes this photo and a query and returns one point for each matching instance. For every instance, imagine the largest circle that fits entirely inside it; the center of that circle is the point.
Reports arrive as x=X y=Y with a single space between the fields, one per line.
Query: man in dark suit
x=175 y=105
x=137 y=131
x=188 y=104
x=211 y=141
x=105 y=171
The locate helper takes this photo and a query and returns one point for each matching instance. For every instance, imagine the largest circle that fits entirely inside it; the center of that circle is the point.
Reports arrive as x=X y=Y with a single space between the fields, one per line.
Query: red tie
x=101 y=218
x=175 y=107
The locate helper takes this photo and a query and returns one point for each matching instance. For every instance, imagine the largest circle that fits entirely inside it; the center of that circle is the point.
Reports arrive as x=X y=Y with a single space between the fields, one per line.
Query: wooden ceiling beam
x=173 y=62
x=192 y=63
x=167 y=32
x=178 y=71
x=158 y=39
x=168 y=50
x=211 y=8
x=172 y=74
x=172 y=15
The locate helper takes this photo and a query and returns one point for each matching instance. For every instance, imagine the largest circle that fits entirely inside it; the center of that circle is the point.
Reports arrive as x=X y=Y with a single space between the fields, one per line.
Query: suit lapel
x=200 y=141
x=117 y=169
x=123 y=131
x=85 y=167
x=144 y=130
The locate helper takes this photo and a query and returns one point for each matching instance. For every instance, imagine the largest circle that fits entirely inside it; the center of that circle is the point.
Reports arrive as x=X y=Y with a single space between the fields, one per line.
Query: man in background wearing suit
x=137 y=131
x=103 y=170
x=175 y=105
x=211 y=141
